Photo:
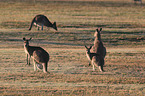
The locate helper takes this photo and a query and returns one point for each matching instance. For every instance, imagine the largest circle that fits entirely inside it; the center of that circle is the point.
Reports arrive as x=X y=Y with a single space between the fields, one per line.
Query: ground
x=123 y=36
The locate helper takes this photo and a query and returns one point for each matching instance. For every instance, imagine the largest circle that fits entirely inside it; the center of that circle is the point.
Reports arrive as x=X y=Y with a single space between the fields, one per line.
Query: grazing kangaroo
x=98 y=46
x=135 y=1
x=94 y=59
x=38 y=54
x=40 y=21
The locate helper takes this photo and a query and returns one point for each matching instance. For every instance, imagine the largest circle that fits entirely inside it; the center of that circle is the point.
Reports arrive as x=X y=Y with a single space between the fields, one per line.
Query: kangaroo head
x=54 y=26
x=26 y=41
x=88 y=49
x=97 y=33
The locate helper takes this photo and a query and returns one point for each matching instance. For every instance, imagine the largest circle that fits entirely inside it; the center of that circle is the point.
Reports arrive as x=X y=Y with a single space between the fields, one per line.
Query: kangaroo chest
x=26 y=51
x=88 y=56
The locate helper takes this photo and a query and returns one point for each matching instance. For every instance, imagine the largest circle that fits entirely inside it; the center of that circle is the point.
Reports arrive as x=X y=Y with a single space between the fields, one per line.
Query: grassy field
x=123 y=35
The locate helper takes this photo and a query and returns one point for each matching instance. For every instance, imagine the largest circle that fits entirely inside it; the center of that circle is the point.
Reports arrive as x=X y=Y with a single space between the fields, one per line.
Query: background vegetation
x=123 y=35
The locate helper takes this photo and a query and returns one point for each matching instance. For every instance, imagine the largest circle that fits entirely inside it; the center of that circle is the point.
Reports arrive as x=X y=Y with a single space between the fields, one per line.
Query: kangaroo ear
x=86 y=47
x=54 y=23
x=24 y=38
x=90 y=47
x=97 y=30
x=100 y=29
x=30 y=38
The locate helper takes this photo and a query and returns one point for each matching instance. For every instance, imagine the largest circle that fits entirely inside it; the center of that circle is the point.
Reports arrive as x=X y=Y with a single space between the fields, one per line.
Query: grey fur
x=38 y=54
x=99 y=48
x=94 y=59
x=40 y=21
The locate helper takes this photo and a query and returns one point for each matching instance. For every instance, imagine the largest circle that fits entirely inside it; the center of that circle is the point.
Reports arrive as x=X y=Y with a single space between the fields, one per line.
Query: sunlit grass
x=123 y=35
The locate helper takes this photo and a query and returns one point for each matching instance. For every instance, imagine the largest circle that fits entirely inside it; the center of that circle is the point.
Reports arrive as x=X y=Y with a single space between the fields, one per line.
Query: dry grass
x=123 y=35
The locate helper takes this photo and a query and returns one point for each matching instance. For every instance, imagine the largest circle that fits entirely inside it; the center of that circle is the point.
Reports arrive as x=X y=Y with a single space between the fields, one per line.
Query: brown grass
x=123 y=35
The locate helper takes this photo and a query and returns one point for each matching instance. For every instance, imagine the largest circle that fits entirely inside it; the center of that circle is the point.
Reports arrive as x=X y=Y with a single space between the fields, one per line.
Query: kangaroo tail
x=101 y=64
x=98 y=62
x=32 y=23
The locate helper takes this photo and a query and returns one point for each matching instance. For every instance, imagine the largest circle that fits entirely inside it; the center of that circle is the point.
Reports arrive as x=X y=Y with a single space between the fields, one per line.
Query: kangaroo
x=135 y=1
x=40 y=21
x=94 y=59
x=98 y=47
x=38 y=54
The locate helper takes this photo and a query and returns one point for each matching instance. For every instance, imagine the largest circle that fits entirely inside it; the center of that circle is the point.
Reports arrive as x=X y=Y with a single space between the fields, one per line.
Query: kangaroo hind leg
x=35 y=66
x=44 y=67
x=101 y=64
x=93 y=65
x=94 y=62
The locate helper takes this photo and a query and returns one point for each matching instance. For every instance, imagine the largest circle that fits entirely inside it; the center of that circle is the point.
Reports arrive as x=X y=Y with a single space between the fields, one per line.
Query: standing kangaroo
x=93 y=59
x=40 y=21
x=38 y=54
x=98 y=47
